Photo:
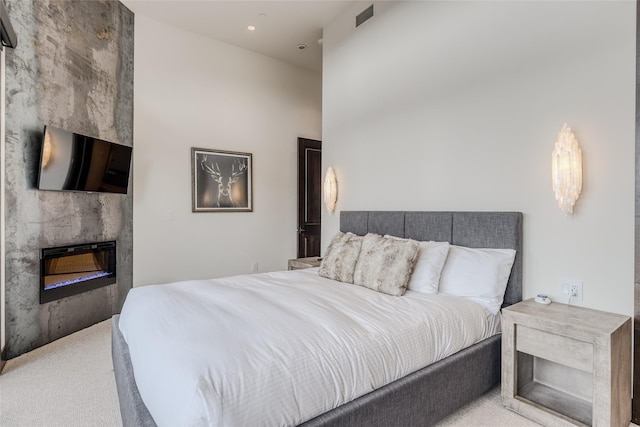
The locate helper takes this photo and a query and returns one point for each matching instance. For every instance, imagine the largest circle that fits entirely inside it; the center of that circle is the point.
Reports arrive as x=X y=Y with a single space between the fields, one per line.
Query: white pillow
x=477 y=274
x=426 y=273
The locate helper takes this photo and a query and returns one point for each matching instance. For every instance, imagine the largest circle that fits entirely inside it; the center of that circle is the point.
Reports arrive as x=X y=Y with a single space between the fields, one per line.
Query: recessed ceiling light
x=251 y=28
x=262 y=16
x=302 y=46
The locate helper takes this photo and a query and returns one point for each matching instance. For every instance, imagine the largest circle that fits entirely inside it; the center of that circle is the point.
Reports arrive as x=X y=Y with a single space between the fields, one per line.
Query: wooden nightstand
x=301 y=263
x=565 y=365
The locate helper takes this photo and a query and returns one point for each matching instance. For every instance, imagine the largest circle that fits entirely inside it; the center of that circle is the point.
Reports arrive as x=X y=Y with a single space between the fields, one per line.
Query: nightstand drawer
x=556 y=348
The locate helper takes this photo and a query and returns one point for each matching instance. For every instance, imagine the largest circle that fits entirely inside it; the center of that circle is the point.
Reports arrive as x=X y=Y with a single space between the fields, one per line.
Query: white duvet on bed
x=280 y=348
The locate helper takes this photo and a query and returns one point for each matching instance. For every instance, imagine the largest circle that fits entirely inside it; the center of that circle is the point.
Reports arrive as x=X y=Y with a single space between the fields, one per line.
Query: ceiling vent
x=364 y=16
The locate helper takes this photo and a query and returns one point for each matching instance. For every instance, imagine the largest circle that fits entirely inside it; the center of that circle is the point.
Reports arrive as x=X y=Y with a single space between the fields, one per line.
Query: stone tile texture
x=72 y=69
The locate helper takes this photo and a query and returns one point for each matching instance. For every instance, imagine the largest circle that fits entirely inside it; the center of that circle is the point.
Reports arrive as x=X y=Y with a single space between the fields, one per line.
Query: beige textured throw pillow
x=339 y=261
x=385 y=264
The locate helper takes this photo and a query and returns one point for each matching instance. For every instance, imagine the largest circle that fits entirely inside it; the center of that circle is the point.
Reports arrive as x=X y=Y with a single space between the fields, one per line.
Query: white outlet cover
x=565 y=287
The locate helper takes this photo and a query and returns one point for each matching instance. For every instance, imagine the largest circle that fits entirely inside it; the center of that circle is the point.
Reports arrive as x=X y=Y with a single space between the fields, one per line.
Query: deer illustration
x=238 y=168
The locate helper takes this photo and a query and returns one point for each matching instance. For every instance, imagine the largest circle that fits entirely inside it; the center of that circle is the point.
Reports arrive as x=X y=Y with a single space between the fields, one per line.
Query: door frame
x=635 y=401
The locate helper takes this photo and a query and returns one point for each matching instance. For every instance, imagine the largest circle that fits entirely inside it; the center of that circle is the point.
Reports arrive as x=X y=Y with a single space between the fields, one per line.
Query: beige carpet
x=70 y=383
x=66 y=383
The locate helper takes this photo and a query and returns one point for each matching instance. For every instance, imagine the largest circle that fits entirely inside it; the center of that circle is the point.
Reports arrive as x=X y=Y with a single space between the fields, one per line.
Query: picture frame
x=221 y=181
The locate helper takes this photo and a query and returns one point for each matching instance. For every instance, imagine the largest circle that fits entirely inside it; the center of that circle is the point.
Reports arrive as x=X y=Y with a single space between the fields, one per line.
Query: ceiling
x=280 y=26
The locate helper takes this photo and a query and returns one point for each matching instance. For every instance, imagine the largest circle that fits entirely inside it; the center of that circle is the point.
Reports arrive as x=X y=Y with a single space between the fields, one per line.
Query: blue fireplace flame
x=76 y=280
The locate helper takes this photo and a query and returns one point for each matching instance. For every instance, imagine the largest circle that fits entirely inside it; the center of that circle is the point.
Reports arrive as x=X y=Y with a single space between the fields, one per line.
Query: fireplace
x=70 y=270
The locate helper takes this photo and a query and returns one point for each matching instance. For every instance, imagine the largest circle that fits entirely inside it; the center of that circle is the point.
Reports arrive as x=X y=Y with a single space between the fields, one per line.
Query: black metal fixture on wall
x=8 y=37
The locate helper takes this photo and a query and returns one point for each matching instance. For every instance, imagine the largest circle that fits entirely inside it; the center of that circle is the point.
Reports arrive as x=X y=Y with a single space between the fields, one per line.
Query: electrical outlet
x=572 y=290
x=254 y=267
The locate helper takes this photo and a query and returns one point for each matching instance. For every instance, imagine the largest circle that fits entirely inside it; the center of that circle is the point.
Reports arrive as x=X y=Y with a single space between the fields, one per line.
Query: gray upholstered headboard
x=471 y=229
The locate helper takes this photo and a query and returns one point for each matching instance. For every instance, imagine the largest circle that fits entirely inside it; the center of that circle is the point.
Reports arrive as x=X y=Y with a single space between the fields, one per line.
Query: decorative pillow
x=385 y=264
x=477 y=274
x=339 y=261
x=426 y=273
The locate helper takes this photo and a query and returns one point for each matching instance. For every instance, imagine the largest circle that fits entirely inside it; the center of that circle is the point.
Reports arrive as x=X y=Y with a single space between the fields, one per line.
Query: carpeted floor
x=70 y=383
x=66 y=383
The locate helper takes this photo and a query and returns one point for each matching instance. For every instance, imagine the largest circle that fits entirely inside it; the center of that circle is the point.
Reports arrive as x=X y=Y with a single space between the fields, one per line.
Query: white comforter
x=277 y=349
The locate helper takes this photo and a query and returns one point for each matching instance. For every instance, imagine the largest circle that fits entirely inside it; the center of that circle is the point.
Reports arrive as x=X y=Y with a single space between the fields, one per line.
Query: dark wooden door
x=309 y=197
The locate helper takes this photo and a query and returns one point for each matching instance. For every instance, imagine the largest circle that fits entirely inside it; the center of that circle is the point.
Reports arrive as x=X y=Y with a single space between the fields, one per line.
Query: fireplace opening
x=70 y=270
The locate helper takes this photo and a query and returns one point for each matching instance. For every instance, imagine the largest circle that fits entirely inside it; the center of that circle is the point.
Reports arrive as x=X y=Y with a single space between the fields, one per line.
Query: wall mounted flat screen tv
x=73 y=162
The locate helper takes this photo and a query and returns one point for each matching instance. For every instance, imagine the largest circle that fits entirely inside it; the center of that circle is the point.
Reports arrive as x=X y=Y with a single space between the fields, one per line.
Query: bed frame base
x=421 y=398
x=132 y=409
x=426 y=396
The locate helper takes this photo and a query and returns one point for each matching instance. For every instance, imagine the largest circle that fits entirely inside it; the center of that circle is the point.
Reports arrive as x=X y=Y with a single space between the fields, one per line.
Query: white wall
x=457 y=106
x=191 y=91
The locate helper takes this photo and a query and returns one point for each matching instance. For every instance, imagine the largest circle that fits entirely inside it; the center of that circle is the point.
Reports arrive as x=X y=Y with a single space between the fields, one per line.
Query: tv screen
x=74 y=162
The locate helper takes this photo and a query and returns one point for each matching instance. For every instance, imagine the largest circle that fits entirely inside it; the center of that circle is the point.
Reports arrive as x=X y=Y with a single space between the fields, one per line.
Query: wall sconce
x=46 y=150
x=566 y=169
x=330 y=190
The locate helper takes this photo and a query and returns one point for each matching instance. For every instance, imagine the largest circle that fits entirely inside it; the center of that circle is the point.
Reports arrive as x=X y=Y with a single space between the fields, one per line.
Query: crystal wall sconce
x=566 y=170
x=330 y=190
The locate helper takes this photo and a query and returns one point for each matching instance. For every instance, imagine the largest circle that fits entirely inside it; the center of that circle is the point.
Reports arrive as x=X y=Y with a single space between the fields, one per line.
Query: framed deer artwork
x=221 y=181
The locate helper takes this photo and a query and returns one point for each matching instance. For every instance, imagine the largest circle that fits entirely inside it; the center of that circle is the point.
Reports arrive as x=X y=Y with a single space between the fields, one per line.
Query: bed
x=422 y=397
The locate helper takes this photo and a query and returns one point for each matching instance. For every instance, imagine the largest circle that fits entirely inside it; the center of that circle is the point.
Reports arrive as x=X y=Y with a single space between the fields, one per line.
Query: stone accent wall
x=72 y=69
